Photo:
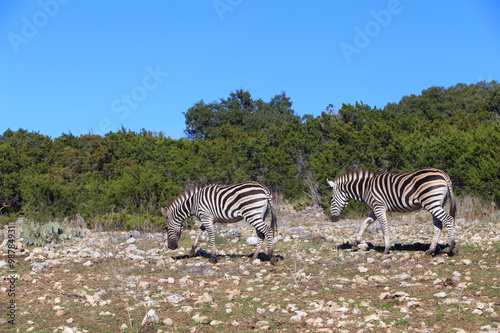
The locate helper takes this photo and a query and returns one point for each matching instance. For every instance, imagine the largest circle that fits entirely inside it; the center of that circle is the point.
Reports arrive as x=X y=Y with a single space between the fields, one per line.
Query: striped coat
x=250 y=201
x=428 y=188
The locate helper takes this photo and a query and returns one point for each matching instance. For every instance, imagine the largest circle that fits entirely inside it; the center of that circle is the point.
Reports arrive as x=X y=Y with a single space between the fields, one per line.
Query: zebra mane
x=184 y=195
x=356 y=173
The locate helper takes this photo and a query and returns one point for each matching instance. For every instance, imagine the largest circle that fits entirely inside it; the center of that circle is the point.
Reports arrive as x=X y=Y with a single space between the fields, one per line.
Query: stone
x=297 y=231
x=151 y=317
x=440 y=295
x=385 y=296
x=133 y=234
x=175 y=298
x=402 y=277
x=41 y=266
x=200 y=319
x=363 y=247
x=233 y=233
x=252 y=241
x=362 y=269
x=206 y=298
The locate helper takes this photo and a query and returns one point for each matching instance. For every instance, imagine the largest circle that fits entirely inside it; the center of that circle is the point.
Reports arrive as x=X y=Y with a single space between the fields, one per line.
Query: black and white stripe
x=428 y=188
x=222 y=204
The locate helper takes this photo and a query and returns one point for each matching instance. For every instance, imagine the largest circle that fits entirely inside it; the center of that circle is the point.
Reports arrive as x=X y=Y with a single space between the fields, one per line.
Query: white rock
x=362 y=269
x=363 y=246
x=440 y=295
x=412 y=304
x=252 y=241
x=151 y=317
x=168 y=322
x=174 y=299
x=88 y=263
x=477 y=312
x=124 y=327
x=403 y=276
x=200 y=319
x=371 y=318
x=187 y=309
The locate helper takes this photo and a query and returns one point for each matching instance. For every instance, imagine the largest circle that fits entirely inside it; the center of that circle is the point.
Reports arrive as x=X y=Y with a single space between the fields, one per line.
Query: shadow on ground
x=202 y=253
x=416 y=247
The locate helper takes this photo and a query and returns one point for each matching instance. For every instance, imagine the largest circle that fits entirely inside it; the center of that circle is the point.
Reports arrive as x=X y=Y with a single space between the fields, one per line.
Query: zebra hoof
x=192 y=253
x=453 y=252
x=214 y=259
x=428 y=253
x=386 y=251
x=272 y=259
x=354 y=248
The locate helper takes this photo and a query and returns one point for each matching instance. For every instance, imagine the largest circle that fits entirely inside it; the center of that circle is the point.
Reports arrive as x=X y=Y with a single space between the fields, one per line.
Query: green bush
x=122 y=180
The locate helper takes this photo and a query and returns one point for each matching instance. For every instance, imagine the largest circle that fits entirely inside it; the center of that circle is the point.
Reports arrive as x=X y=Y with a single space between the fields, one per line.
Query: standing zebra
x=406 y=192
x=223 y=204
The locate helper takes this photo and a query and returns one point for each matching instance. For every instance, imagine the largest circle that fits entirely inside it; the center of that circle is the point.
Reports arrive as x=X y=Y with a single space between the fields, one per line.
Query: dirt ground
x=105 y=282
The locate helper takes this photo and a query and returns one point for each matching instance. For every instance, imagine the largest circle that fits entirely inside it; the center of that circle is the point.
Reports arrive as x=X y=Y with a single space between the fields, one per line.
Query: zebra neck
x=356 y=187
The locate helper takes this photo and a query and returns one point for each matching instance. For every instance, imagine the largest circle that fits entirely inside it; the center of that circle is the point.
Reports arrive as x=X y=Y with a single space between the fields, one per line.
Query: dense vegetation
x=236 y=139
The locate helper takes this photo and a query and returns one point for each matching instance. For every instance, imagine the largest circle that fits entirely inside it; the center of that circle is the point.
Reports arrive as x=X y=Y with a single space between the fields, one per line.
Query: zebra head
x=339 y=201
x=174 y=229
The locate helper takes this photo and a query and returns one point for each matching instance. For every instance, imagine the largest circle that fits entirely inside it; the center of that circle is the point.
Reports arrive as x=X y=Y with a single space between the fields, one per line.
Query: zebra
x=223 y=204
x=428 y=188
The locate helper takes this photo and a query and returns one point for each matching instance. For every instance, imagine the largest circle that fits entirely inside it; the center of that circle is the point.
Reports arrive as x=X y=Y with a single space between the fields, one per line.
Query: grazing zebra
x=223 y=204
x=406 y=192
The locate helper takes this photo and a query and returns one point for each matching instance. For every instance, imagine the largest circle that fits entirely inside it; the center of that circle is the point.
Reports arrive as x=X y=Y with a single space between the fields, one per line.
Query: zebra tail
x=453 y=204
x=274 y=220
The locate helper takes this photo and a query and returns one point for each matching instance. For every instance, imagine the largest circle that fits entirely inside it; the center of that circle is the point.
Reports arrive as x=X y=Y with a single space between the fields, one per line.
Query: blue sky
x=93 y=66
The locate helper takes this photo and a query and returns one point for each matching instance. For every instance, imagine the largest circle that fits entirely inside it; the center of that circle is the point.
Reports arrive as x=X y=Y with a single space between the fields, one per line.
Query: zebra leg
x=447 y=220
x=211 y=237
x=260 y=235
x=437 y=232
x=270 y=243
x=440 y=218
x=450 y=227
x=362 y=229
x=380 y=214
x=193 y=248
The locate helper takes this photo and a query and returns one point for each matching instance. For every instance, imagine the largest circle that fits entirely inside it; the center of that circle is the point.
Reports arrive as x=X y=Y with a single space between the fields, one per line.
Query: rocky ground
x=130 y=282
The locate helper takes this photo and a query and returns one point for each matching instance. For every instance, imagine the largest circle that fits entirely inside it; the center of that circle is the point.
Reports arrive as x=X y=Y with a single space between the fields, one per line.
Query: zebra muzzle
x=334 y=218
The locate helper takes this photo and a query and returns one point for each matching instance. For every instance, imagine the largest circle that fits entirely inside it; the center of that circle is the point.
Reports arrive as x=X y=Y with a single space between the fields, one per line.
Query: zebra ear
x=332 y=184
x=164 y=212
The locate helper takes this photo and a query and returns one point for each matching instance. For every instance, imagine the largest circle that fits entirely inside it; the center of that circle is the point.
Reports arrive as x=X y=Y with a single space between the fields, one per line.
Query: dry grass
x=310 y=275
